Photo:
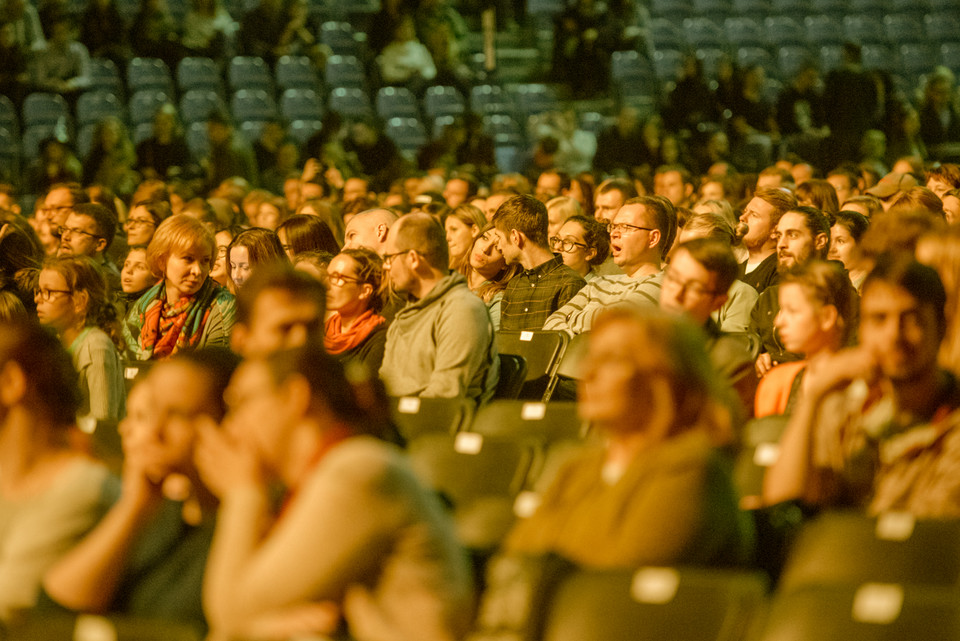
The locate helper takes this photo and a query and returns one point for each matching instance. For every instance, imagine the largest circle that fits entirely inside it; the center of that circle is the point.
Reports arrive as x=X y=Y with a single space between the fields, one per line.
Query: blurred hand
x=764 y=364
x=224 y=463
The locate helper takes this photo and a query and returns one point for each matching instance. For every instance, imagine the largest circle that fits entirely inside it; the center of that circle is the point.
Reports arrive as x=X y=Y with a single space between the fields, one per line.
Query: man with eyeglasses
x=88 y=231
x=51 y=212
x=441 y=344
x=696 y=284
x=546 y=283
x=640 y=237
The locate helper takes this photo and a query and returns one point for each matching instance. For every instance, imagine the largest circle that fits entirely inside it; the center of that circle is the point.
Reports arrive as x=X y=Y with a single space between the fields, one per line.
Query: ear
x=238 y=337
x=366 y=290
x=474 y=230
x=654 y=238
x=81 y=300
x=517 y=238
x=820 y=242
x=591 y=253
x=382 y=230
x=13 y=384
x=829 y=316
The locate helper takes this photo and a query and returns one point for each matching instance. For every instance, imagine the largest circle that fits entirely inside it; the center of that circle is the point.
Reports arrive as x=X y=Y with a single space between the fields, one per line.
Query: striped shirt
x=532 y=295
x=576 y=317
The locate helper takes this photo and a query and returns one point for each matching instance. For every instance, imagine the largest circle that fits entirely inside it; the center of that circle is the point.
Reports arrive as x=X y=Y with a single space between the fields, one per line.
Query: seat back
x=513 y=372
x=542 y=351
x=415 y=416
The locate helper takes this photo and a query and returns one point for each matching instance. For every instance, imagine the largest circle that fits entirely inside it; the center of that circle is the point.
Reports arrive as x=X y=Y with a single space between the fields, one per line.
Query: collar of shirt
x=543 y=269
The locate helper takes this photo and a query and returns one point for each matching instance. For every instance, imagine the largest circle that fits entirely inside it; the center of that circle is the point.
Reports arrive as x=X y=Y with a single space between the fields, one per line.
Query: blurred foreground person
x=357 y=537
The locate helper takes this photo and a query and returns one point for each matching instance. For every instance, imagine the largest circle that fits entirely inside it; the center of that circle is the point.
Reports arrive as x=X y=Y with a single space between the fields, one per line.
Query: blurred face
x=240 y=267
x=770 y=181
x=493 y=203
x=951 y=208
x=187 y=270
x=573 y=248
x=670 y=185
x=939 y=187
x=757 y=215
x=485 y=257
x=291 y=192
x=459 y=236
x=899 y=330
x=548 y=186
x=800 y=323
x=56 y=306
x=795 y=242
x=354 y=188
x=690 y=288
x=455 y=192
x=258 y=415
x=346 y=294
x=606 y=206
x=79 y=237
x=135 y=275
x=139 y=226
x=396 y=264
x=361 y=232
x=556 y=216
x=268 y=216
x=841 y=184
x=630 y=245
x=842 y=246
x=219 y=271
x=280 y=321
x=616 y=377
x=712 y=191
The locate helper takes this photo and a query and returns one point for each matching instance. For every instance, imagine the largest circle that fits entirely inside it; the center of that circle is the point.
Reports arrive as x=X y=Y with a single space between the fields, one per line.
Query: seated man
x=546 y=283
x=442 y=343
x=147 y=556
x=369 y=229
x=89 y=231
x=877 y=424
x=697 y=283
x=640 y=236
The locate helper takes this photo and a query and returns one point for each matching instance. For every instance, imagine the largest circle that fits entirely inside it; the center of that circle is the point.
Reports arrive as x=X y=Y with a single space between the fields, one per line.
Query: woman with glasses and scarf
x=187 y=309
x=355 y=332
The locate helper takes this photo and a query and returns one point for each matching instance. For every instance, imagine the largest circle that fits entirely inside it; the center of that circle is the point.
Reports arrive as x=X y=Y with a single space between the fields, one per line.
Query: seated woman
x=583 y=243
x=50 y=495
x=250 y=249
x=187 y=309
x=462 y=225
x=302 y=233
x=657 y=492
x=355 y=332
x=270 y=213
x=147 y=556
x=848 y=228
x=72 y=300
x=818 y=309
x=315 y=264
x=144 y=218
x=135 y=278
x=489 y=274
x=357 y=536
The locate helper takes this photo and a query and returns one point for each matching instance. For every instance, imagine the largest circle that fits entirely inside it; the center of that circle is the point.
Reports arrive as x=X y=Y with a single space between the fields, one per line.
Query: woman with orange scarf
x=355 y=332
x=187 y=309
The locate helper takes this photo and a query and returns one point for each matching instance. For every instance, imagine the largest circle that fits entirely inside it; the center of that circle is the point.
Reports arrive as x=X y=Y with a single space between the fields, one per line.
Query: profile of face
x=690 y=288
x=219 y=272
x=795 y=242
x=617 y=376
x=346 y=293
x=570 y=243
x=939 y=187
x=843 y=246
x=187 y=269
x=630 y=237
x=485 y=258
x=362 y=231
x=803 y=324
x=135 y=275
x=460 y=236
x=280 y=321
x=139 y=226
x=951 y=209
x=899 y=330
x=240 y=267
x=79 y=237
x=58 y=307
x=507 y=244
x=757 y=216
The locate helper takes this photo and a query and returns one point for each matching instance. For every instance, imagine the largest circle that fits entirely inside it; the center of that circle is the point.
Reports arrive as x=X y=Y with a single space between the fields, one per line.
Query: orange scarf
x=338 y=341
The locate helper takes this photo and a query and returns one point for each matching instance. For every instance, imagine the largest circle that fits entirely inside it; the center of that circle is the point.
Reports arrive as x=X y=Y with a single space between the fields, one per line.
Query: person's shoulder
x=362 y=460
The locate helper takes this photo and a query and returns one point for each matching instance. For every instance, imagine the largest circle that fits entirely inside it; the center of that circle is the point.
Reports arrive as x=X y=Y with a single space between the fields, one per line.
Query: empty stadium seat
x=674 y=10
x=349 y=102
x=396 y=102
x=630 y=67
x=710 y=59
x=751 y=7
x=904 y=27
x=196 y=105
x=950 y=56
x=526 y=420
x=344 y=71
x=664 y=34
x=879 y=56
x=942 y=27
x=824 y=30
x=85 y=139
x=443 y=101
x=713 y=9
x=791 y=59
x=533 y=98
x=303 y=130
x=917 y=58
x=408 y=134
x=32 y=136
x=92 y=107
x=249 y=72
x=253 y=104
x=703 y=32
x=301 y=104
x=744 y=32
x=543 y=351
x=760 y=448
x=296 y=72
x=105 y=77
x=490 y=99
x=751 y=56
x=831 y=57
x=795 y=9
x=784 y=30
x=339 y=36
x=197 y=140
x=503 y=129
x=864 y=29
x=654 y=603
x=667 y=64
x=199 y=73
x=149 y=73
x=143 y=105
x=415 y=416
x=44 y=108
x=833 y=8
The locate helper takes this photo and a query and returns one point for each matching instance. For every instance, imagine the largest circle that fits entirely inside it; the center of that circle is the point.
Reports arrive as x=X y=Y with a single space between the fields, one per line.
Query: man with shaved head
x=369 y=229
x=442 y=343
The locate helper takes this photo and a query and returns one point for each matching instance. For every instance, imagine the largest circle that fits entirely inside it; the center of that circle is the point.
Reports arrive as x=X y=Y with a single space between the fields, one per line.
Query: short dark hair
x=920 y=281
x=716 y=257
x=854 y=222
x=52 y=385
x=104 y=219
x=595 y=235
x=279 y=277
x=946 y=172
x=77 y=194
x=816 y=221
x=306 y=233
x=424 y=233
x=624 y=186
x=158 y=209
x=664 y=218
x=527 y=215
